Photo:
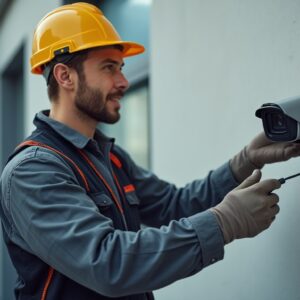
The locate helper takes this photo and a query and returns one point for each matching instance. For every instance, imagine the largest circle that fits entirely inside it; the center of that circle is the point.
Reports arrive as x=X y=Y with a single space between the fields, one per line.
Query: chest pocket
x=132 y=199
x=132 y=210
x=107 y=208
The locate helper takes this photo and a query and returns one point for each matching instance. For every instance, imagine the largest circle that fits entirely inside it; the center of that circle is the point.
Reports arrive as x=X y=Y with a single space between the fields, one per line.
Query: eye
x=110 y=67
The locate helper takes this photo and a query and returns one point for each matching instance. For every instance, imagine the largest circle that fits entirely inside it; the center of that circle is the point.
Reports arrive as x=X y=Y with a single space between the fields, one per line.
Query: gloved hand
x=259 y=152
x=263 y=151
x=248 y=209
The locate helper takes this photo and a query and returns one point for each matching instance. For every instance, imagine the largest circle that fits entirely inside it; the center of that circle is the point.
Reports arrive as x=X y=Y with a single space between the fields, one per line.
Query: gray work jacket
x=50 y=215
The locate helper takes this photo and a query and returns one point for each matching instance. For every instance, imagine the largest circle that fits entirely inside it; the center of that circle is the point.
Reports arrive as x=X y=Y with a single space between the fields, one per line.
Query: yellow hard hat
x=72 y=28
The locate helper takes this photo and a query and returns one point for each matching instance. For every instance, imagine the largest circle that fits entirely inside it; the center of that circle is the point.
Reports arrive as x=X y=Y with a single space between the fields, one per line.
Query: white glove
x=248 y=209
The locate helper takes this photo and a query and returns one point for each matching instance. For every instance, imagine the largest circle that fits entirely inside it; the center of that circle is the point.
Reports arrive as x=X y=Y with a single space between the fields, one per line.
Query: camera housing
x=281 y=120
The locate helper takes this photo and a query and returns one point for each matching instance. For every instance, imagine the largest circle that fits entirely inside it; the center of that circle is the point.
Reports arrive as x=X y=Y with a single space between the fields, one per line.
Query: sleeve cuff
x=224 y=180
x=210 y=237
x=241 y=166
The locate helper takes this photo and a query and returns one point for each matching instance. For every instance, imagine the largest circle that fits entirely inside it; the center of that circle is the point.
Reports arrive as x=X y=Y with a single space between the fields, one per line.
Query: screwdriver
x=283 y=180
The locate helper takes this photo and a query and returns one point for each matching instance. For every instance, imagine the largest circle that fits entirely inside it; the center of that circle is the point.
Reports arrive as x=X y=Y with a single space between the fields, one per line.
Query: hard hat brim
x=129 y=49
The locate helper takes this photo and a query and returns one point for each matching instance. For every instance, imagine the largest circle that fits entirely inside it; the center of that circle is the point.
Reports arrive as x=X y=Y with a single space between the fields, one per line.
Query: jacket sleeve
x=51 y=216
x=167 y=202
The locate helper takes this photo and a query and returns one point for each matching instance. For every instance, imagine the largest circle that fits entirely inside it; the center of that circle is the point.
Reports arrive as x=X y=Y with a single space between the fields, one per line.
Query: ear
x=64 y=76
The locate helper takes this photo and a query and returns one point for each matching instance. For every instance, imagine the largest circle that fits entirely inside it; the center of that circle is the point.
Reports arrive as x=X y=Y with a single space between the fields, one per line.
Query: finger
x=273 y=199
x=252 y=179
x=293 y=150
x=268 y=185
x=277 y=152
x=260 y=140
x=274 y=210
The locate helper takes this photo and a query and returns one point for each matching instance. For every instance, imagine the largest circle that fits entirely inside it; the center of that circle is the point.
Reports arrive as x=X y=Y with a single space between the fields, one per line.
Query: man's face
x=101 y=86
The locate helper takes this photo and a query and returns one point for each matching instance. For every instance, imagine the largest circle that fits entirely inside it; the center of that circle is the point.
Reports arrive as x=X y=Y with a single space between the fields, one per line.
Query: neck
x=74 y=119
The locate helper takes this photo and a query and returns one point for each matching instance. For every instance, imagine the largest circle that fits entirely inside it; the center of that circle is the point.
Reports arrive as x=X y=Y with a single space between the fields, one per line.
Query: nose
x=121 y=82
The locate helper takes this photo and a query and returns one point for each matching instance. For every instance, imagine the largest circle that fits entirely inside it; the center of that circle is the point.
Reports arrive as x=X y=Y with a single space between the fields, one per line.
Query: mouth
x=115 y=99
x=115 y=96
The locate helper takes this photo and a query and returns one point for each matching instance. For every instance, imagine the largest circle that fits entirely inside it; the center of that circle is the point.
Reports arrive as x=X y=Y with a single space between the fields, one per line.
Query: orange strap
x=115 y=160
x=128 y=188
x=47 y=283
x=103 y=180
x=33 y=143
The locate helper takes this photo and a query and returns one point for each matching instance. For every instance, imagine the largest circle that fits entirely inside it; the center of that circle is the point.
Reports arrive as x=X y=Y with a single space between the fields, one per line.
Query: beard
x=93 y=104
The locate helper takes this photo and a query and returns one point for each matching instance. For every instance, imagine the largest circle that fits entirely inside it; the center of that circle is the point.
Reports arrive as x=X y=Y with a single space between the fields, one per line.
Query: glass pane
x=131 y=18
x=132 y=132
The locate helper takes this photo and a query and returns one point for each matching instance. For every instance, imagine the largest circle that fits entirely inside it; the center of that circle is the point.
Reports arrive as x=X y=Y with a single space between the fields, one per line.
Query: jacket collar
x=74 y=137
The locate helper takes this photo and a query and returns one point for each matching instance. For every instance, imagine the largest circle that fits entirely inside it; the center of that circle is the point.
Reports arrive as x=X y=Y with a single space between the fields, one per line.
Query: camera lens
x=278 y=122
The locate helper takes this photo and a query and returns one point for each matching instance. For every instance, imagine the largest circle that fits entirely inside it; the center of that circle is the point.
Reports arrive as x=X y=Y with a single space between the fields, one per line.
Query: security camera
x=281 y=120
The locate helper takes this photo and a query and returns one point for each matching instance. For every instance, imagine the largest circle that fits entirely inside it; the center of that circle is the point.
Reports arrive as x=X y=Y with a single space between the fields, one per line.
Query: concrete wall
x=213 y=64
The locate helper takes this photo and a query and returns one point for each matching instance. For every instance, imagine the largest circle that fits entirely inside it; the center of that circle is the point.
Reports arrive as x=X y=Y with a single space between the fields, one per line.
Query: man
x=72 y=201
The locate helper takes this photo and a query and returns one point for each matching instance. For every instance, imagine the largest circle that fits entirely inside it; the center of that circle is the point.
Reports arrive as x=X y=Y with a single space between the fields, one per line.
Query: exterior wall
x=213 y=64
x=16 y=29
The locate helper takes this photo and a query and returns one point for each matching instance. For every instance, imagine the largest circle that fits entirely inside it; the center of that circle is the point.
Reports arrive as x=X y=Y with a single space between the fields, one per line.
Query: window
x=132 y=131
x=131 y=19
x=12 y=110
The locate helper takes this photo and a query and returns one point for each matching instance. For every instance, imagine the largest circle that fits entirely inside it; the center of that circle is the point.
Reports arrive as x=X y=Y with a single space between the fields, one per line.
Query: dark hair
x=76 y=62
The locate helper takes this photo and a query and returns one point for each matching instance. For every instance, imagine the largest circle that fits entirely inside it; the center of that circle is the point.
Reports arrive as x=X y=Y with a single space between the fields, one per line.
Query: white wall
x=213 y=64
